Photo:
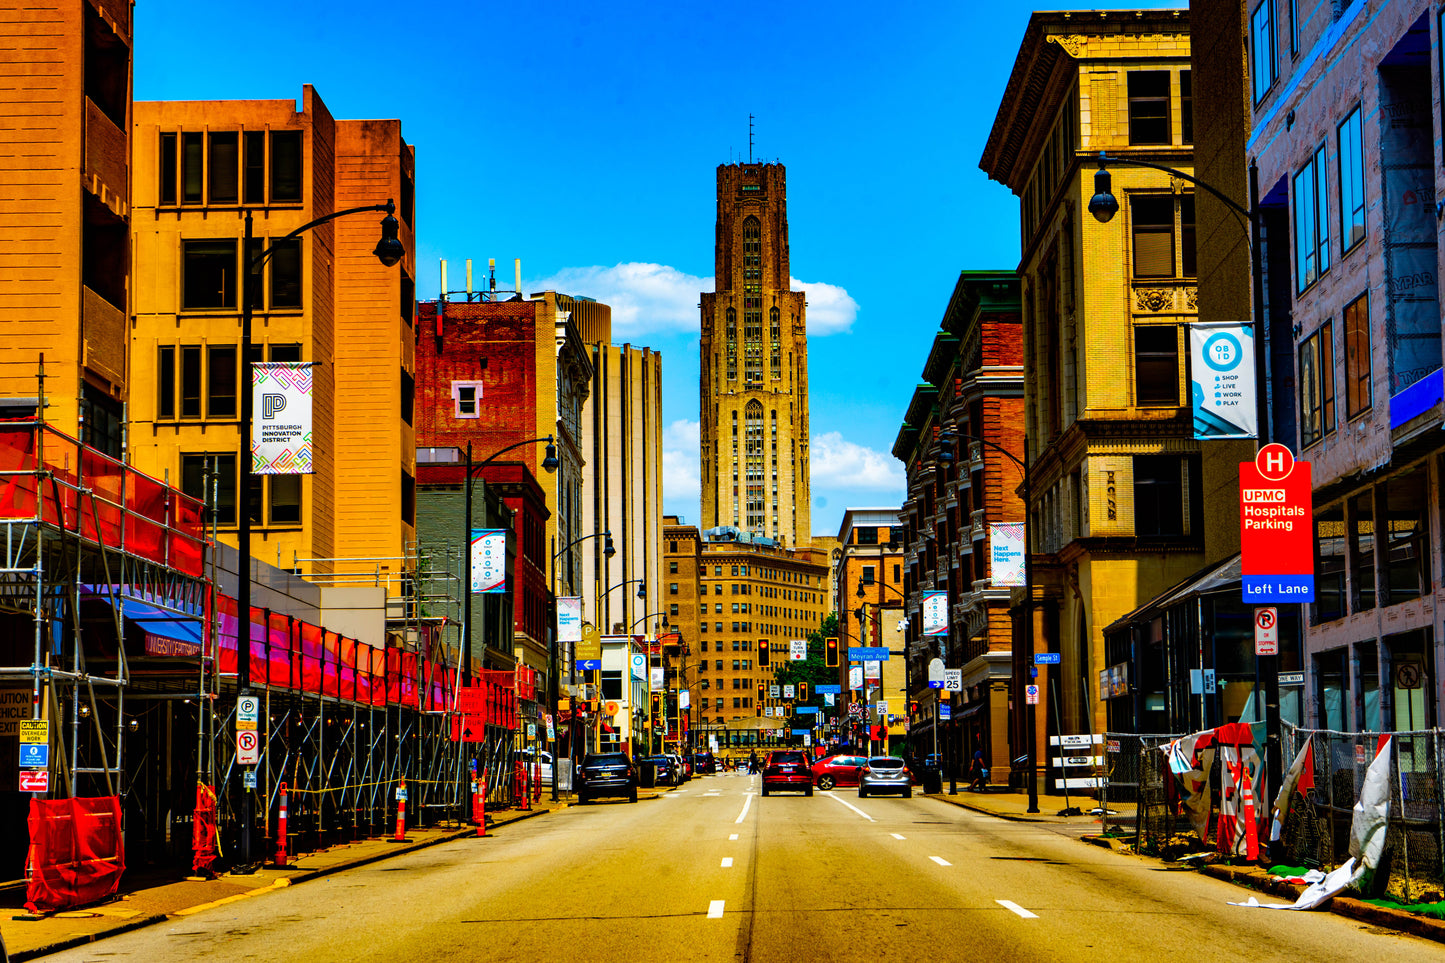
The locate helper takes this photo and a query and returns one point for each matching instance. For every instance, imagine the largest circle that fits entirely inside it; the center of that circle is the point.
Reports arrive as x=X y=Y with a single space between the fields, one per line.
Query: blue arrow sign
x=828 y=689
x=1047 y=658
x=936 y=684
x=864 y=653
x=593 y=665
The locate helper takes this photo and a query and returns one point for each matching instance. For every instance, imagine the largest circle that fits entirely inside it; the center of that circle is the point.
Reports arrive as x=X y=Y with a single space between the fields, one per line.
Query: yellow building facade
x=65 y=120
x=1116 y=486
x=200 y=167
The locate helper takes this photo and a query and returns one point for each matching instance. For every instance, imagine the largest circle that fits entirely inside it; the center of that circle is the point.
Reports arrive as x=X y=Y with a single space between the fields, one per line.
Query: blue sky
x=583 y=138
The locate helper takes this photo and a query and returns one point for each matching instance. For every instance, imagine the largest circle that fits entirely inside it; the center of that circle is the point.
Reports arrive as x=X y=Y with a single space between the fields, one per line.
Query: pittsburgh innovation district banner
x=281 y=418
x=489 y=561
x=1006 y=565
x=1222 y=384
x=935 y=613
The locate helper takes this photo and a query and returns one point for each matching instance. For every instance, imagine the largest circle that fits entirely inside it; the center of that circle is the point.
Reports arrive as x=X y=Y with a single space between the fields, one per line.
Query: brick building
x=868 y=582
x=1116 y=510
x=1345 y=129
x=971 y=393
x=65 y=213
x=754 y=366
x=200 y=167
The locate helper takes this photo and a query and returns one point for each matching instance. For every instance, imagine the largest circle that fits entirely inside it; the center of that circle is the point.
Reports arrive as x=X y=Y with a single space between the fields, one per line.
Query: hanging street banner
x=1276 y=538
x=657 y=678
x=1222 y=381
x=569 y=619
x=281 y=418
x=489 y=561
x=1006 y=546
x=935 y=613
x=855 y=677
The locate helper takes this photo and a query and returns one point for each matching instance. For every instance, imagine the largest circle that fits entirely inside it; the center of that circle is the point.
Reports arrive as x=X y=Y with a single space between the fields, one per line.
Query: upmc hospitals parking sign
x=1277 y=561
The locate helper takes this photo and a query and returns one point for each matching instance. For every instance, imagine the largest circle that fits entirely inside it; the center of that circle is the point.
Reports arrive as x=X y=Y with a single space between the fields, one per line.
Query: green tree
x=811 y=671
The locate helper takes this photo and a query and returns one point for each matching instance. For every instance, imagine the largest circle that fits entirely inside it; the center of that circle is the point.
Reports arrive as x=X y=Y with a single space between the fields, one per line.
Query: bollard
x=479 y=804
x=537 y=780
x=281 y=827
x=519 y=789
x=400 y=836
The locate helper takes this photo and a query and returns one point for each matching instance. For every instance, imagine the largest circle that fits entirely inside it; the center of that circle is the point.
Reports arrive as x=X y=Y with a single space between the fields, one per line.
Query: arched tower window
x=753 y=454
x=732 y=344
x=776 y=337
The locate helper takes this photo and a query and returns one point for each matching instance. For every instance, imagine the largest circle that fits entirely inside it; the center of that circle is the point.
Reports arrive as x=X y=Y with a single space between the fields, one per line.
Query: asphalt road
x=715 y=873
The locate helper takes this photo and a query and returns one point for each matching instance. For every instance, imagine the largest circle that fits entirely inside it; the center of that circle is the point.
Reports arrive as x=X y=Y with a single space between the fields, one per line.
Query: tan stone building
x=752 y=598
x=200 y=166
x=868 y=577
x=65 y=121
x=1115 y=501
x=754 y=366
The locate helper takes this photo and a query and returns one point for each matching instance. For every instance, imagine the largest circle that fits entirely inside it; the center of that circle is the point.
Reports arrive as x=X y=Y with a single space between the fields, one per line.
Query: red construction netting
x=158 y=523
x=77 y=853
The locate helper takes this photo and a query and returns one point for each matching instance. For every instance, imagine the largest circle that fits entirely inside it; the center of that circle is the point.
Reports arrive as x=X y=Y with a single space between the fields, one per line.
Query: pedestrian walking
x=978 y=774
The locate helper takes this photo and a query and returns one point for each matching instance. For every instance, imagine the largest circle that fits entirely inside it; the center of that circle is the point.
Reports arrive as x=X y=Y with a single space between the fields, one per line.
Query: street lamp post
x=608 y=550
x=388 y=251
x=1104 y=205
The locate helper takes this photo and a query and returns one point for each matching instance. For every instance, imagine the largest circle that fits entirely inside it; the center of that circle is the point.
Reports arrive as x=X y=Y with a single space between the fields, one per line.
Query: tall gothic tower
x=754 y=366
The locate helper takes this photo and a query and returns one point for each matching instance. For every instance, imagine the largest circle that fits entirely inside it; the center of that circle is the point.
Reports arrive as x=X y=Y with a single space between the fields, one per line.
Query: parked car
x=606 y=774
x=833 y=771
x=527 y=756
x=666 y=769
x=787 y=770
x=685 y=761
x=704 y=763
x=885 y=774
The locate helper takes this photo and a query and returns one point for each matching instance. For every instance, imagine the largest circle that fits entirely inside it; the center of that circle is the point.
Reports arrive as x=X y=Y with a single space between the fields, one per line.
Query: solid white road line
x=896 y=836
x=1013 y=907
x=733 y=837
x=852 y=807
x=714 y=909
x=748 y=801
x=727 y=862
x=940 y=860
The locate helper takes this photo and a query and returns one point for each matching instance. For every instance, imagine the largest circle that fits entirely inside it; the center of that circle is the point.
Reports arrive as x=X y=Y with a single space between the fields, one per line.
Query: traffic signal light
x=830 y=655
x=802 y=692
x=656 y=704
x=763 y=653
x=762 y=694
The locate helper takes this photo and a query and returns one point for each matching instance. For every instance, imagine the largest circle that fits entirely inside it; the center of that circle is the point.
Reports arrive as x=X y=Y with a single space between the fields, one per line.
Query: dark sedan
x=606 y=774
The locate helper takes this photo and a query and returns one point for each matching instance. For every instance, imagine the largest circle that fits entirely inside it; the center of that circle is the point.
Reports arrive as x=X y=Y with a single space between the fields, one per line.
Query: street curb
x=1355 y=909
x=972 y=807
x=1107 y=842
x=74 y=941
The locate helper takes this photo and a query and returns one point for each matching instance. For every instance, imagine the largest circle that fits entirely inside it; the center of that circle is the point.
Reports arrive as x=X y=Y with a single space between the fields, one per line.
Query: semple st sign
x=1277 y=561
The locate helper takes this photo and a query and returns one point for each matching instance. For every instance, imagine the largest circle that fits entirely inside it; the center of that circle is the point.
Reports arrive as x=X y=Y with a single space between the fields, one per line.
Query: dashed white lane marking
x=852 y=807
x=748 y=801
x=714 y=909
x=940 y=860
x=712 y=794
x=896 y=836
x=727 y=862
x=733 y=837
x=1013 y=907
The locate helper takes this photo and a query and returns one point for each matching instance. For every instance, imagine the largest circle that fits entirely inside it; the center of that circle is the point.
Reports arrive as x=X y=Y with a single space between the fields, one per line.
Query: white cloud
x=681 y=471
x=652 y=298
x=831 y=309
x=839 y=463
x=644 y=298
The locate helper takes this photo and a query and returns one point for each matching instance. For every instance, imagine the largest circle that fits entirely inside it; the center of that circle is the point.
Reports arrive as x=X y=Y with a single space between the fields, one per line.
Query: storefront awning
x=1220 y=577
x=167 y=634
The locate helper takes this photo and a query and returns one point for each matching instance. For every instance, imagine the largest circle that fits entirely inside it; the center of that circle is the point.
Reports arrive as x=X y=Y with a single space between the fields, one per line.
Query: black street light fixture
x=1104 y=205
x=388 y=251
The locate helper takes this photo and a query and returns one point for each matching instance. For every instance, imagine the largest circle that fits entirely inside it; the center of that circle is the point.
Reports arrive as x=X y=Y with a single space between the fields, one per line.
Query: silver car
x=885 y=774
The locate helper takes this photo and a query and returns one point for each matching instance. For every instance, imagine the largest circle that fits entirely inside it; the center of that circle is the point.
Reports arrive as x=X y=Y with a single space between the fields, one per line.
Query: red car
x=833 y=771
x=787 y=769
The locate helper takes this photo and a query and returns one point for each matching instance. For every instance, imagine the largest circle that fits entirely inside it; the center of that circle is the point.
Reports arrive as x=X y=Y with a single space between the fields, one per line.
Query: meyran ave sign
x=1277 y=558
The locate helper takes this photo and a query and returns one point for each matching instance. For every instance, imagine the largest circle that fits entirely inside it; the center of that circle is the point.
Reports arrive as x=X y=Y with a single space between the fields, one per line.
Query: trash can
x=647 y=774
x=933 y=780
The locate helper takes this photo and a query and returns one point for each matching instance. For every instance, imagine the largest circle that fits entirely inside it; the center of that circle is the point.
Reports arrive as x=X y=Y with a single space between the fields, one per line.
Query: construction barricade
x=77 y=853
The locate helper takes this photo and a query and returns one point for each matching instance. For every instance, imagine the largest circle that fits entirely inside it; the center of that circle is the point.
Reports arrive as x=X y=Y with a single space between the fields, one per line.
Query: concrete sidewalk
x=147 y=898
x=1015 y=806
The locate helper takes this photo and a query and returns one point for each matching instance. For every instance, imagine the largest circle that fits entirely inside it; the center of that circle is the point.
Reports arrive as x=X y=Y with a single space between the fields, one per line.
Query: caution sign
x=14 y=709
x=35 y=731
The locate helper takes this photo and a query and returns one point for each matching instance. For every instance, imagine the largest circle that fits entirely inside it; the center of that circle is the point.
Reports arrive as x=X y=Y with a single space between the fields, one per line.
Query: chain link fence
x=1317 y=829
x=1135 y=795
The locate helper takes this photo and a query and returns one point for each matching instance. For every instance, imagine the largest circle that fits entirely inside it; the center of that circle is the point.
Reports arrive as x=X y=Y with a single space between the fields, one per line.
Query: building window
x=1330 y=561
x=1362 y=551
x=1261 y=49
x=1156 y=365
x=285 y=353
x=191 y=381
x=221 y=381
x=673 y=609
x=1407 y=534
x=671 y=588
x=1149 y=107
x=209 y=281
x=253 y=174
x=285 y=499
x=168 y=168
x=223 y=167
x=868 y=575
x=285 y=265
x=1352 y=182
x=1186 y=106
x=1158 y=495
x=408 y=497
x=466 y=399
x=166 y=383
x=867 y=536
x=1163 y=235
x=193 y=168
x=408 y=396
x=285 y=165
x=1311 y=223
x=1317 y=385
x=194 y=482
x=1358 y=395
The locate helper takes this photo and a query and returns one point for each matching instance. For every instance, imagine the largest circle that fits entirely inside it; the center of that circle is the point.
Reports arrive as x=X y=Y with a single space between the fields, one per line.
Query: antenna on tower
x=750 y=138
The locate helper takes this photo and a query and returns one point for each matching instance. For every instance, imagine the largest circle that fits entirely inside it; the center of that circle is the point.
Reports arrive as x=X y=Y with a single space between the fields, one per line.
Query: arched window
x=752 y=301
x=776 y=337
x=753 y=453
x=732 y=344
